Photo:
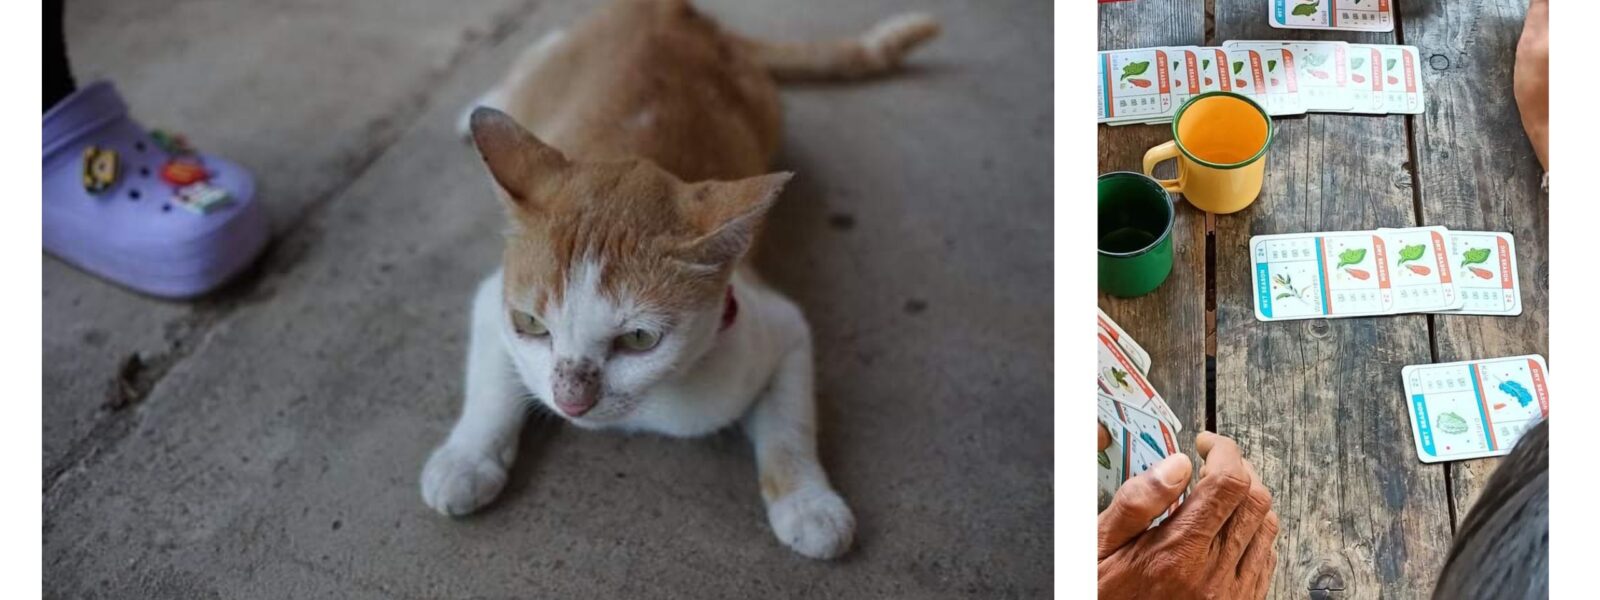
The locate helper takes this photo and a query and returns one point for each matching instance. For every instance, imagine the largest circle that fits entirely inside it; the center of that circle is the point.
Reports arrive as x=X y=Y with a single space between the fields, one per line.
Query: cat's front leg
x=469 y=469
x=804 y=511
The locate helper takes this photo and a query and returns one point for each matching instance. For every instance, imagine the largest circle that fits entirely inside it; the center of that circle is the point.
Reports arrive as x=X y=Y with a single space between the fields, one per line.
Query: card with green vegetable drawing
x=1248 y=72
x=1317 y=70
x=1135 y=86
x=1486 y=273
x=1422 y=276
x=1320 y=275
x=1350 y=15
x=1475 y=408
x=1402 y=81
x=1366 y=89
x=1119 y=377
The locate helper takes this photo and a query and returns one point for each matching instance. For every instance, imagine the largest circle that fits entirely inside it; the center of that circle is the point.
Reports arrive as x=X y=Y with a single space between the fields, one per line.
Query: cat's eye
x=638 y=340
x=527 y=324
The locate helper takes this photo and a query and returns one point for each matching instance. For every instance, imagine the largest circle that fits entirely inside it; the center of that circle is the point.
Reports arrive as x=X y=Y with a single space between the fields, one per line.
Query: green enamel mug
x=1135 y=234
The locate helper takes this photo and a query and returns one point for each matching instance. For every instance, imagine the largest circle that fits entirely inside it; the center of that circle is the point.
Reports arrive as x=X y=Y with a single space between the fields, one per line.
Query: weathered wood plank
x=1478 y=172
x=1317 y=404
x=1169 y=323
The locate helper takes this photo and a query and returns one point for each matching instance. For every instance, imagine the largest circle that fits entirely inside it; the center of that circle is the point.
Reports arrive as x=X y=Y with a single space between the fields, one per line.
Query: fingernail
x=1168 y=471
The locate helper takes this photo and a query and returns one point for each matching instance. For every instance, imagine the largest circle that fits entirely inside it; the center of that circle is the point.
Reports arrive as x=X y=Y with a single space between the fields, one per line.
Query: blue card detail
x=1322 y=280
x=1105 y=76
x=1424 y=430
x=1483 y=417
x=1277 y=11
x=1264 y=289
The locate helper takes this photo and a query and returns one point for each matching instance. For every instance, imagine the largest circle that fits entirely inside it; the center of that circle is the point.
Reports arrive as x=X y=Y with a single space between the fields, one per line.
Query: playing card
x=1353 y=15
x=1402 y=83
x=1318 y=71
x=1139 y=441
x=1366 y=88
x=1485 y=273
x=1134 y=351
x=1214 y=75
x=1477 y=408
x=1135 y=86
x=1248 y=70
x=1121 y=379
x=1421 y=277
x=1317 y=275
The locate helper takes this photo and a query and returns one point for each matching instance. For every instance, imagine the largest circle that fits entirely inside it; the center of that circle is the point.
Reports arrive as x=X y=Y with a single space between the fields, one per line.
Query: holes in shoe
x=133 y=195
x=138 y=146
x=144 y=171
x=166 y=208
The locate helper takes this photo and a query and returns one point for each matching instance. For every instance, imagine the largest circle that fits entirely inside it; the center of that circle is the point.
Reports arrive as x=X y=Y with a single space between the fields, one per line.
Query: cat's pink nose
x=575 y=408
x=576 y=386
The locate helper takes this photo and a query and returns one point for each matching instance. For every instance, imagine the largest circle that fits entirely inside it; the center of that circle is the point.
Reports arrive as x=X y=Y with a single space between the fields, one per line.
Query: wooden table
x=1317 y=405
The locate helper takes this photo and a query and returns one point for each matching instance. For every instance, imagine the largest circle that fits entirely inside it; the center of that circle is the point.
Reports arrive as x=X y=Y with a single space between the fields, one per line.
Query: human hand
x=1218 y=544
x=1531 y=78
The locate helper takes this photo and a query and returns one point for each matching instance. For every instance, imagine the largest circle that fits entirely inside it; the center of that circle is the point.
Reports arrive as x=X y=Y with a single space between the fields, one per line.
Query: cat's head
x=615 y=273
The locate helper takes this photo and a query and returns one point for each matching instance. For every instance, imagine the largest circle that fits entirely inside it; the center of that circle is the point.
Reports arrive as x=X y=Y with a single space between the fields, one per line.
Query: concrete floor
x=265 y=442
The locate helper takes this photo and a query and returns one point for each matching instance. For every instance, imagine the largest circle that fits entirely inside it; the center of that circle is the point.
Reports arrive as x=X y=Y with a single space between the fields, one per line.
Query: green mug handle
x=1156 y=156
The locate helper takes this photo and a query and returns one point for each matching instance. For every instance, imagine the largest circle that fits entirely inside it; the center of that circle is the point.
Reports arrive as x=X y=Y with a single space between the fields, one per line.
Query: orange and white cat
x=631 y=153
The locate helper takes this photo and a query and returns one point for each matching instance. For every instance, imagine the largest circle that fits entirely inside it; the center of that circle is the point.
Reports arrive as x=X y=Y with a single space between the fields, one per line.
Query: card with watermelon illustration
x=1366 y=87
x=1485 y=264
x=1320 y=275
x=1402 y=80
x=1135 y=86
x=1350 y=15
x=1475 y=408
x=1421 y=275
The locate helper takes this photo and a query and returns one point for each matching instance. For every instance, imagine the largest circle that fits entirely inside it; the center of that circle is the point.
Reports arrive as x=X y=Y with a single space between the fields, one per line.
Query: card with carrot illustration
x=1475 y=408
x=1247 y=72
x=1423 y=278
x=1135 y=85
x=1350 y=15
x=1320 y=275
x=1486 y=273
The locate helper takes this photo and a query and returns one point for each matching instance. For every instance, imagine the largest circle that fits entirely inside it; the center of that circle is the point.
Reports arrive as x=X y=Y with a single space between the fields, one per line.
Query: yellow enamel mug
x=1220 y=141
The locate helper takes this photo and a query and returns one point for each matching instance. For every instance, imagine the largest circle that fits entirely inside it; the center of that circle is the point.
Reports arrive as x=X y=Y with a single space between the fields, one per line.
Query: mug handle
x=1156 y=156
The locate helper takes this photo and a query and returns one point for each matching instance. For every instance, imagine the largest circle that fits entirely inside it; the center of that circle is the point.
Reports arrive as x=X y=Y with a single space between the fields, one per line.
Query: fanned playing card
x=1475 y=408
x=1135 y=86
x=1320 y=275
x=1135 y=352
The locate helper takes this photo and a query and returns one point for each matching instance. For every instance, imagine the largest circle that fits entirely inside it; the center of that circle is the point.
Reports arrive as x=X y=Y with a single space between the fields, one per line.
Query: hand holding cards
x=1142 y=428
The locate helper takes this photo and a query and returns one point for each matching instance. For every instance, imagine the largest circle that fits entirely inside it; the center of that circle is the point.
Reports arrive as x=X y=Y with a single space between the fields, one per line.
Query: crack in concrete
x=138 y=375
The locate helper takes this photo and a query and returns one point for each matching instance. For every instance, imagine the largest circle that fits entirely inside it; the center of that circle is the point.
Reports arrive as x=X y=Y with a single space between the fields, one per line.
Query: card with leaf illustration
x=1366 y=87
x=1214 y=73
x=1320 y=275
x=1317 y=71
x=1139 y=441
x=1422 y=277
x=1350 y=15
x=1486 y=273
x=1119 y=377
x=1402 y=80
x=1475 y=408
x=1247 y=72
x=1135 y=86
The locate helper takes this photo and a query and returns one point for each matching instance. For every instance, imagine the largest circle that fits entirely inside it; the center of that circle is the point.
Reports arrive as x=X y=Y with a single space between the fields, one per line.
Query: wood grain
x=1170 y=322
x=1478 y=172
x=1317 y=405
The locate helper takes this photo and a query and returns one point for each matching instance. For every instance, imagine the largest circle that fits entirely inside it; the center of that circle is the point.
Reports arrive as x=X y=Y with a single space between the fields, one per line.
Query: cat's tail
x=876 y=51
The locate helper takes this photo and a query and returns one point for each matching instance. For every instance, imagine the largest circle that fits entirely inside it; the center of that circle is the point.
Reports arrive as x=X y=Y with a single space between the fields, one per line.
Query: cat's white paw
x=457 y=481
x=814 y=522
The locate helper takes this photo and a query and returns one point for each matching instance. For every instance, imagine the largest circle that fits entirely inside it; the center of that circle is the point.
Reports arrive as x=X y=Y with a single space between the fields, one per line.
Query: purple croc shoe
x=141 y=208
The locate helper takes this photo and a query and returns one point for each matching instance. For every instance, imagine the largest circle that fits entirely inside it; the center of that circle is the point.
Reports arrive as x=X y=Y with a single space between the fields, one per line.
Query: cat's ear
x=523 y=166
x=726 y=215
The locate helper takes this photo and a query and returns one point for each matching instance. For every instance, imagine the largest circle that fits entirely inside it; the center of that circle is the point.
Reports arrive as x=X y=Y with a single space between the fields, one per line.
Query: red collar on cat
x=730 y=310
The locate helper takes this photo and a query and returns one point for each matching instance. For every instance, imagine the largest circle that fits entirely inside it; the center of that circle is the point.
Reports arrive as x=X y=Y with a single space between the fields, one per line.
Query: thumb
x=1141 y=500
